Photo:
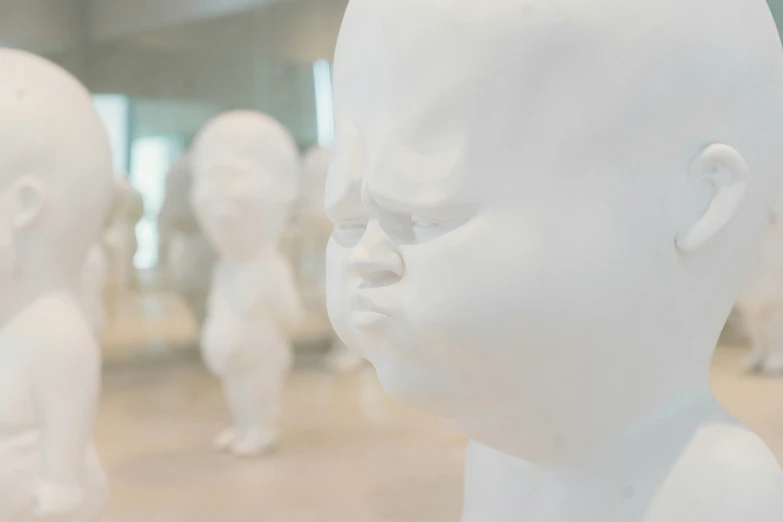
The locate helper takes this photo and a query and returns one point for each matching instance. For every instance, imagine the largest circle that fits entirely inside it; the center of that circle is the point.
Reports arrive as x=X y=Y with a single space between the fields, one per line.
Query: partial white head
x=55 y=178
x=314 y=169
x=245 y=167
x=545 y=209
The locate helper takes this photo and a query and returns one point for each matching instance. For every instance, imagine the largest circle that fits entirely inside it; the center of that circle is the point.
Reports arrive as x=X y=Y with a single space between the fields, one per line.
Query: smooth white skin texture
x=55 y=189
x=245 y=169
x=546 y=259
x=314 y=232
x=761 y=301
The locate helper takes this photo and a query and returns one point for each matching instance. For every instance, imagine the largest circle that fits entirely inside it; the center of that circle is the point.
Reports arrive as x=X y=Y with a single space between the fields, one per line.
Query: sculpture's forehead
x=402 y=54
x=411 y=86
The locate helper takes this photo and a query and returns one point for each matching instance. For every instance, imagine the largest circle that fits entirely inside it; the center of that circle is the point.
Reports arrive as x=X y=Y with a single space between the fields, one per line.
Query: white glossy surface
x=245 y=169
x=544 y=213
x=313 y=230
x=55 y=188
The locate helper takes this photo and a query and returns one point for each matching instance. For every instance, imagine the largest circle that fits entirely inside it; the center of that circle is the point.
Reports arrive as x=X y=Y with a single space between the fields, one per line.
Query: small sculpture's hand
x=56 y=502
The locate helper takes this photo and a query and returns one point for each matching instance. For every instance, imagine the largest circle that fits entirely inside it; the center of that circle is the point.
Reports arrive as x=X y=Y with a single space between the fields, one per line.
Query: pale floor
x=349 y=454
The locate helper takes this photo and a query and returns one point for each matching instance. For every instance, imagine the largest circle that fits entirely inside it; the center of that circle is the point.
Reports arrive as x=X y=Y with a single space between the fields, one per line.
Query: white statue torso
x=23 y=347
x=721 y=472
x=252 y=308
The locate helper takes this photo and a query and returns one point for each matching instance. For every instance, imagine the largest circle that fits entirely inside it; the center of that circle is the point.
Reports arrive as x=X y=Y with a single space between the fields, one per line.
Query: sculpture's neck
x=614 y=484
x=42 y=306
x=25 y=290
x=263 y=254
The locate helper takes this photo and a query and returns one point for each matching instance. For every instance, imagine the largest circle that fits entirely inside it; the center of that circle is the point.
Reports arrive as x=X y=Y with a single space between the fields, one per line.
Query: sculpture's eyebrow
x=412 y=200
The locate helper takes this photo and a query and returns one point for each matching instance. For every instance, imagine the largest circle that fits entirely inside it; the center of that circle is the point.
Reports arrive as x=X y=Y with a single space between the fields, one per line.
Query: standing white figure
x=761 y=302
x=315 y=229
x=55 y=188
x=544 y=213
x=120 y=235
x=245 y=169
x=93 y=287
x=183 y=248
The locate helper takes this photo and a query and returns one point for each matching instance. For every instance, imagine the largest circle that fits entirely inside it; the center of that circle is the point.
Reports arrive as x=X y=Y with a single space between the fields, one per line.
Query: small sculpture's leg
x=258 y=399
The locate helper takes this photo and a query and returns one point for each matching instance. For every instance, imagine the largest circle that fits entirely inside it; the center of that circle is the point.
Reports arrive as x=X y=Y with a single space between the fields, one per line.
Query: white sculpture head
x=55 y=179
x=545 y=209
x=245 y=169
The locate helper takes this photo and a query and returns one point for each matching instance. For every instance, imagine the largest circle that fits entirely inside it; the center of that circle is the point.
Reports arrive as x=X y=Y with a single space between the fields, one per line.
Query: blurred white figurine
x=545 y=211
x=245 y=168
x=120 y=234
x=315 y=229
x=184 y=251
x=761 y=302
x=56 y=186
x=93 y=287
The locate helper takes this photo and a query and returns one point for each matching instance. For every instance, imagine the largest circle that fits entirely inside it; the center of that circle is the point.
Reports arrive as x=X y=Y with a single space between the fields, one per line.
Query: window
x=324 y=104
x=114 y=111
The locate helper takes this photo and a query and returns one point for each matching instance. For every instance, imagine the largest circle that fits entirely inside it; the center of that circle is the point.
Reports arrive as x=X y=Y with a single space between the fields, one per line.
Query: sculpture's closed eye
x=347 y=233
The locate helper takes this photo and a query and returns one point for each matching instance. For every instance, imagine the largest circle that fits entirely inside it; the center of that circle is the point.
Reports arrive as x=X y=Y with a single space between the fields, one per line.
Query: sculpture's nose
x=376 y=259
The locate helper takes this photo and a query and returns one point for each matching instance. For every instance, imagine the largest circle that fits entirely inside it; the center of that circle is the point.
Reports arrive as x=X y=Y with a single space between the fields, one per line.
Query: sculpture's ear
x=724 y=172
x=28 y=202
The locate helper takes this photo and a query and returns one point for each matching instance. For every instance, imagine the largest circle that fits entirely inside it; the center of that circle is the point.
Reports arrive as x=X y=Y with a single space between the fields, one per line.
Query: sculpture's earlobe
x=28 y=202
x=724 y=169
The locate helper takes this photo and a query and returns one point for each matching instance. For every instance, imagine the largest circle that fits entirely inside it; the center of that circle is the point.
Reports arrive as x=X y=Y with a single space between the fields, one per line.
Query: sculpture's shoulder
x=56 y=326
x=726 y=474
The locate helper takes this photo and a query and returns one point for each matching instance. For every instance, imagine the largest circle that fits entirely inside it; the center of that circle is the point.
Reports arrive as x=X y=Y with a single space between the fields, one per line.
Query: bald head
x=251 y=141
x=525 y=164
x=49 y=126
x=50 y=133
x=532 y=78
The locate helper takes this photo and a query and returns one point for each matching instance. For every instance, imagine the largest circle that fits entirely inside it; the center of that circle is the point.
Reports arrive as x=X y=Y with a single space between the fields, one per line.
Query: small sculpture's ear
x=28 y=202
x=723 y=170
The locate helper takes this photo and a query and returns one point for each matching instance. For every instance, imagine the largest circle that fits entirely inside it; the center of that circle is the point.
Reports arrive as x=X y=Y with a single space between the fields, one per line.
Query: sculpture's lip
x=364 y=319
x=363 y=304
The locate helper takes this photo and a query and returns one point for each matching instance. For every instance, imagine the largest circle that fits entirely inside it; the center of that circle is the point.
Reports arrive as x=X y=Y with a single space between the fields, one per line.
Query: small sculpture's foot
x=255 y=443
x=344 y=360
x=755 y=362
x=225 y=441
x=773 y=364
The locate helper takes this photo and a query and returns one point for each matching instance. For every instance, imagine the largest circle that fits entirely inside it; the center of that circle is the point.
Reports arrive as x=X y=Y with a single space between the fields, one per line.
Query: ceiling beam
x=115 y=19
x=41 y=26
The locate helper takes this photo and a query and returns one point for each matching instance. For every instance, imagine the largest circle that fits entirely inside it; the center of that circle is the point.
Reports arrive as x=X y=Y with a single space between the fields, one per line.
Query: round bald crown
x=48 y=125
x=448 y=84
x=51 y=132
